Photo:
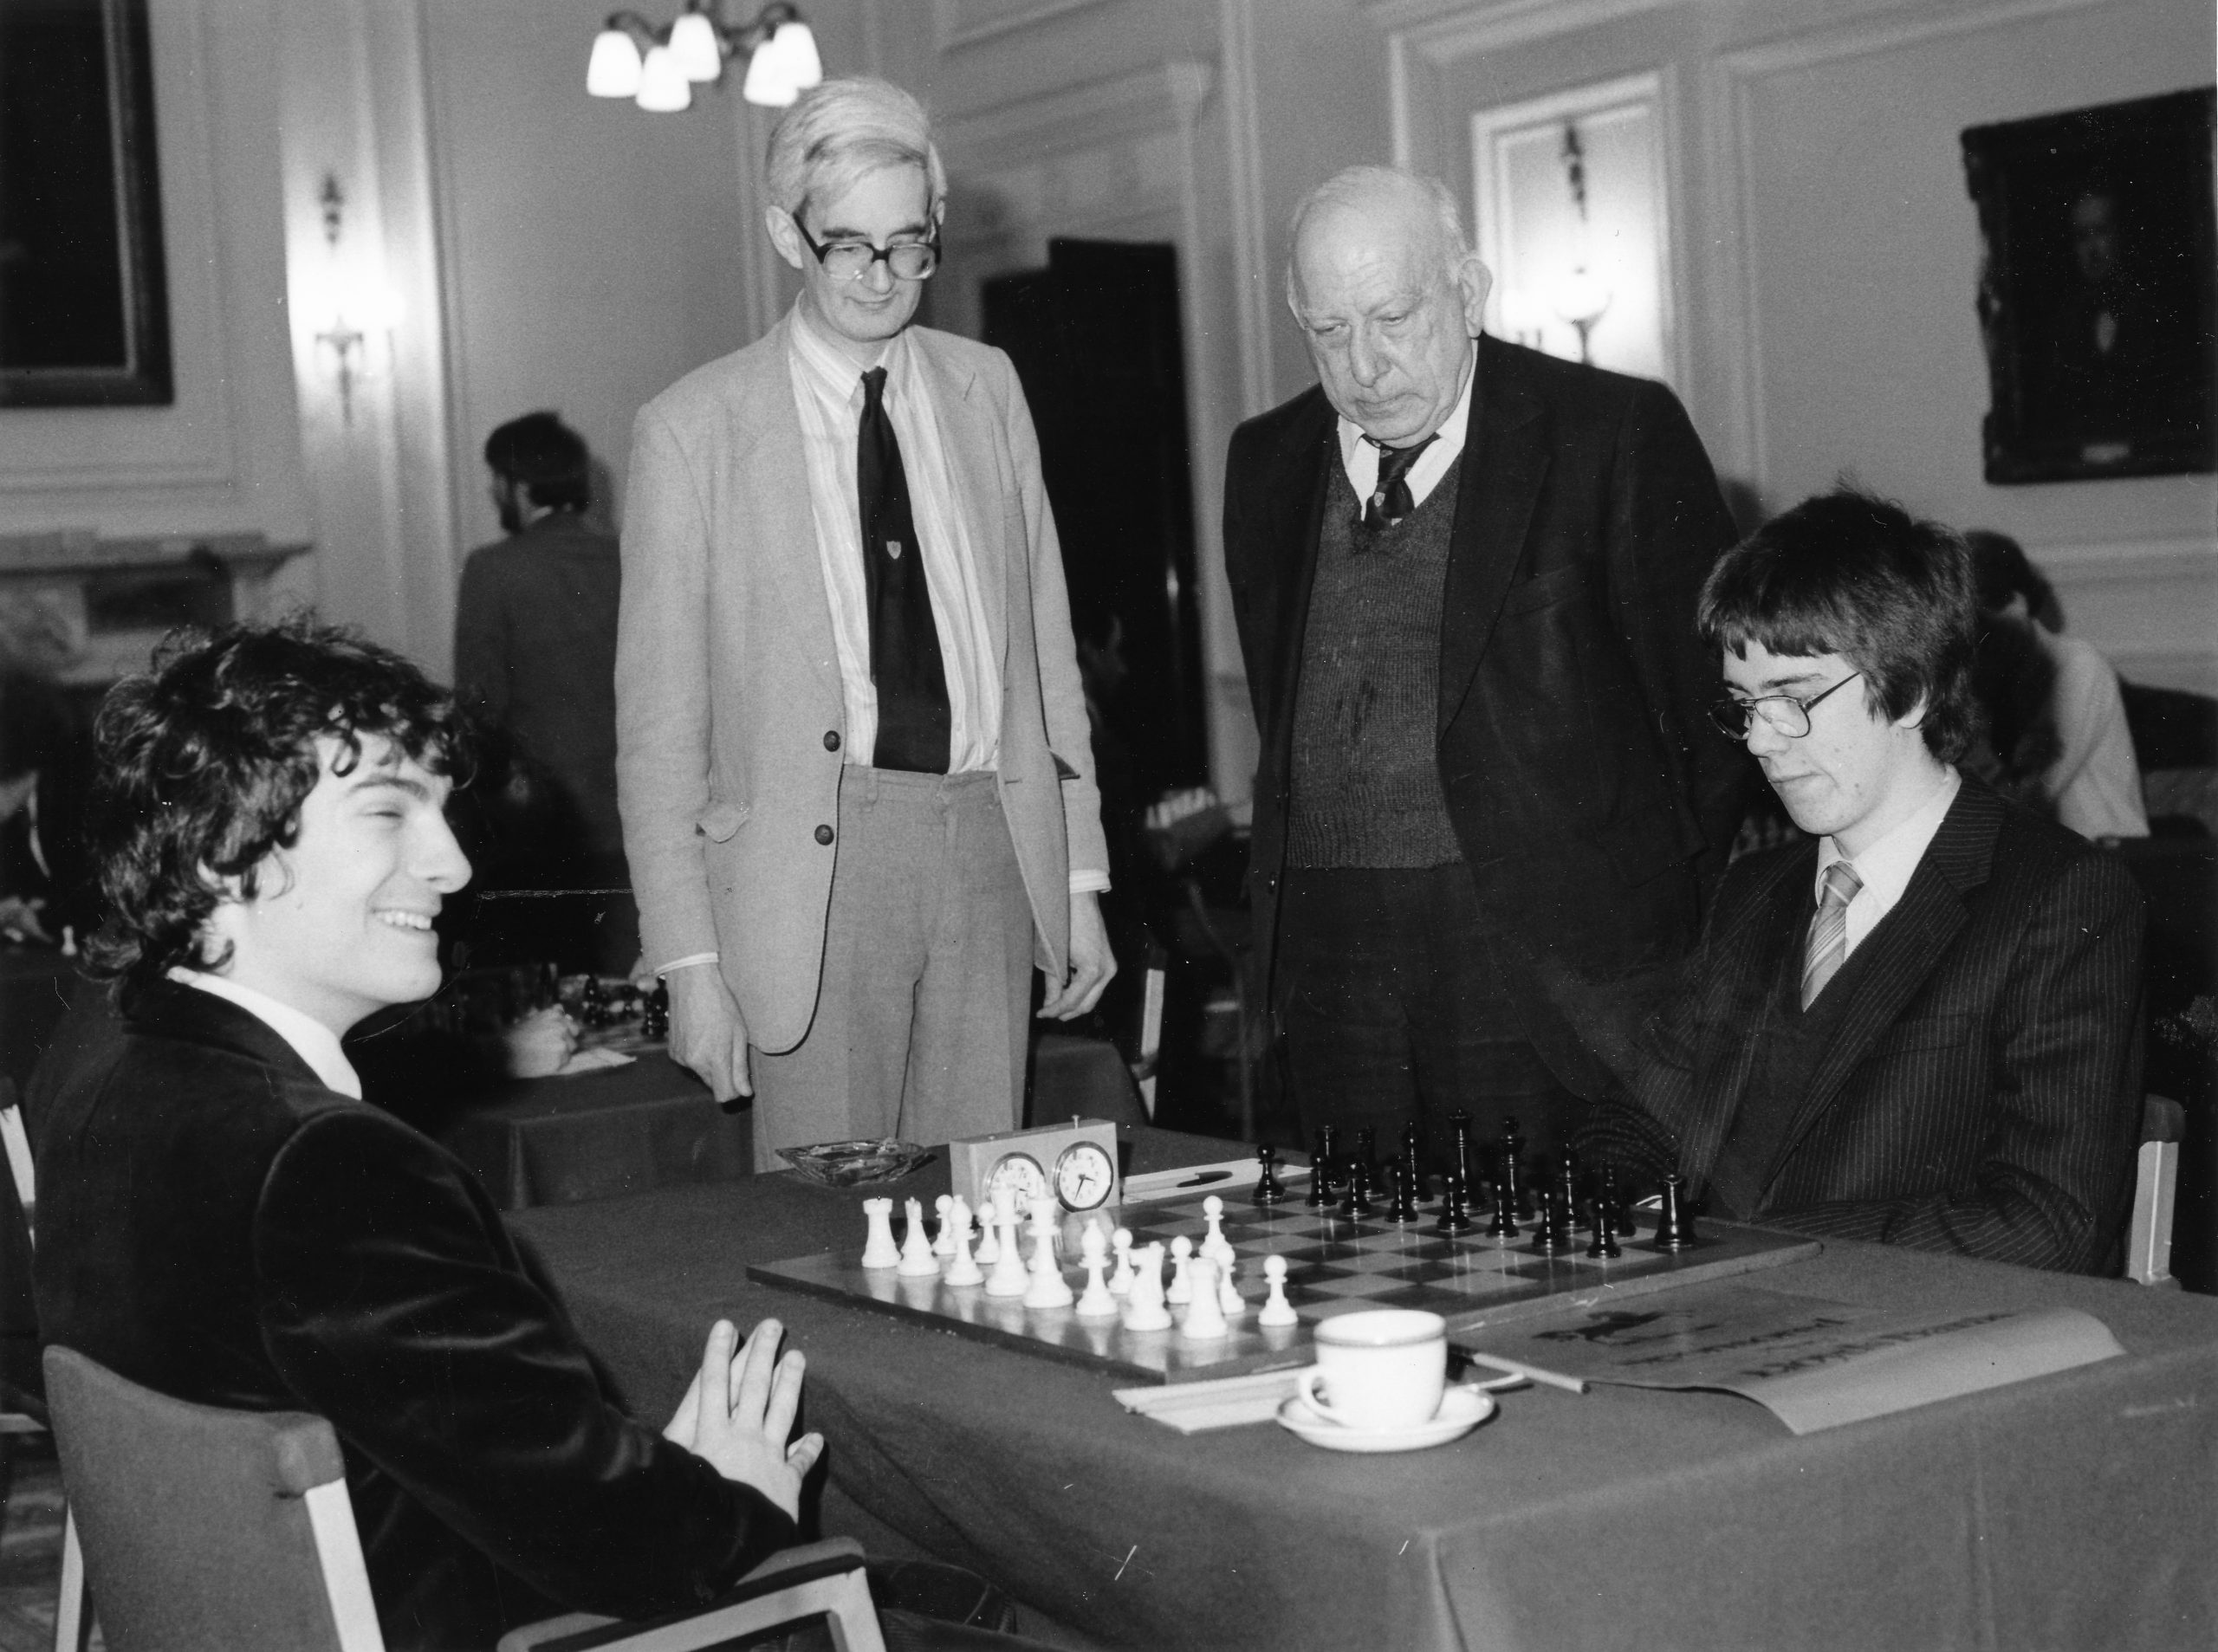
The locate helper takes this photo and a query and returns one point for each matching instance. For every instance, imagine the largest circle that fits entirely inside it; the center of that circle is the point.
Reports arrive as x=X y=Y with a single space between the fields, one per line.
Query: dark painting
x=2098 y=299
x=84 y=310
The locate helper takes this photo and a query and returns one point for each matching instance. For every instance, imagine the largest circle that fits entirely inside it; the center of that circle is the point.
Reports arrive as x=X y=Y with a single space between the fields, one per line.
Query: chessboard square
x=1493 y=1283
x=1390 y=1239
x=1370 y=1261
x=1355 y=1285
x=1264 y=1242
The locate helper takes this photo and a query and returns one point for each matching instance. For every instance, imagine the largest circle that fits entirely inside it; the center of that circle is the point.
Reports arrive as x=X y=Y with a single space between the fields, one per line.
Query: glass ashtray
x=854 y=1164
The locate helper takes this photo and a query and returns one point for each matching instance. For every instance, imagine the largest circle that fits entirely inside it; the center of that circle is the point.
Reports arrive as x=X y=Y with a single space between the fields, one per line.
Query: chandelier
x=658 y=68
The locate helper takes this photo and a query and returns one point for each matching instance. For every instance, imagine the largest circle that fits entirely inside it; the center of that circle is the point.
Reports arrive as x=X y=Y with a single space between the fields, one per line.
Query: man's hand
x=739 y=1409
x=1091 y=964
x=19 y=920
x=707 y=1033
x=540 y=1044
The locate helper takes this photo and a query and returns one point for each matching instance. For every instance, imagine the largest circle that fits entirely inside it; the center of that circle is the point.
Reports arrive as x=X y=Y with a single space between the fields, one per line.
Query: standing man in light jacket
x=852 y=759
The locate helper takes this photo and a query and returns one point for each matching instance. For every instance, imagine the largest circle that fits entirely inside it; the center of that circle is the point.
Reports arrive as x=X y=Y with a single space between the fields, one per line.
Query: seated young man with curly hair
x=1920 y=1025
x=222 y=1219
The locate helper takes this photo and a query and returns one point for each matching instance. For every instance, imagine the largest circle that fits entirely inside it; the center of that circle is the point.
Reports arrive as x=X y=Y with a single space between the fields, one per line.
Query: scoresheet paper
x=1813 y=1363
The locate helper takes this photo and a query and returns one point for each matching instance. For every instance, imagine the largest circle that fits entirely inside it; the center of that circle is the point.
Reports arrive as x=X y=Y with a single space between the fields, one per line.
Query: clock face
x=1021 y=1174
x=1084 y=1176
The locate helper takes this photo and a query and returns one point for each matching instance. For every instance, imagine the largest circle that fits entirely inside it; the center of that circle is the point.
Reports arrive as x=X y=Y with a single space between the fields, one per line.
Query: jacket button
x=824 y=834
x=831 y=740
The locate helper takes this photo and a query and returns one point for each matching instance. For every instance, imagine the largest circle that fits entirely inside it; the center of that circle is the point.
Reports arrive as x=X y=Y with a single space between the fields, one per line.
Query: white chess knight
x=962 y=1267
x=1047 y=1288
x=1095 y=1302
x=878 y=1249
x=917 y=1259
x=1144 y=1309
x=1204 y=1320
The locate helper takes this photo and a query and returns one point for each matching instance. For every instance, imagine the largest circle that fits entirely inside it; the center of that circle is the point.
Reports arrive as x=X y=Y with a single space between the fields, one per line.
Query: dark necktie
x=913 y=722
x=1389 y=498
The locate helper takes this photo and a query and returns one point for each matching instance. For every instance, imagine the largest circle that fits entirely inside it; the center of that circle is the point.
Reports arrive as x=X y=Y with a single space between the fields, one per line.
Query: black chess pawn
x=1604 y=1245
x=1615 y=1202
x=1322 y=1184
x=1355 y=1198
x=1401 y=1193
x=1456 y=1206
x=1367 y=1154
x=1674 y=1224
x=1269 y=1190
x=1546 y=1239
x=654 y=1020
x=1504 y=1225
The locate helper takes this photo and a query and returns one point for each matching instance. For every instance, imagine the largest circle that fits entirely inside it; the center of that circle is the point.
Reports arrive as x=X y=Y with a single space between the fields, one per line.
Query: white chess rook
x=1144 y=1310
x=878 y=1249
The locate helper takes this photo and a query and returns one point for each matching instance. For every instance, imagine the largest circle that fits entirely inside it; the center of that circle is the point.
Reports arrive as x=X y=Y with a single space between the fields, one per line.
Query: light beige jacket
x=728 y=683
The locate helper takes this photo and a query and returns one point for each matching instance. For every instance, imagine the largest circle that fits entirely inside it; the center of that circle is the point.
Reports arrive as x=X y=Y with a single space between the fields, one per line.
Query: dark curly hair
x=1849 y=573
x=205 y=762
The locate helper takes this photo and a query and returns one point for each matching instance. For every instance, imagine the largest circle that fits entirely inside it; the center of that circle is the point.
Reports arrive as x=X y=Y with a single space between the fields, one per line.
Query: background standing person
x=852 y=750
x=1488 y=803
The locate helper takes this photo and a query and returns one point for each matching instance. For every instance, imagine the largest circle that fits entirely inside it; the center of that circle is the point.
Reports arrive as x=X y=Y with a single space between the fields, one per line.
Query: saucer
x=1462 y=1409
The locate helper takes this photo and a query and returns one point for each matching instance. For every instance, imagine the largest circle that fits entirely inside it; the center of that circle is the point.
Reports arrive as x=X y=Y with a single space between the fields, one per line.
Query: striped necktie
x=1390 y=499
x=1829 y=932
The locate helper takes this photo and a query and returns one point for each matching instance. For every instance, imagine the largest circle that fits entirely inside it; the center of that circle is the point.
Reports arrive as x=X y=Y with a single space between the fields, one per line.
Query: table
x=2076 y=1510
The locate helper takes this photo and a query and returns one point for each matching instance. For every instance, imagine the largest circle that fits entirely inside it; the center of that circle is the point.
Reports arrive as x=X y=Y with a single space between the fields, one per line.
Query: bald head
x=1389 y=298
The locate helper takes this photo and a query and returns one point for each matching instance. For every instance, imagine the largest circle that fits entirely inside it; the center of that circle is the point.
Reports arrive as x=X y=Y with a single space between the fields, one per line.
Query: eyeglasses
x=851 y=260
x=1783 y=712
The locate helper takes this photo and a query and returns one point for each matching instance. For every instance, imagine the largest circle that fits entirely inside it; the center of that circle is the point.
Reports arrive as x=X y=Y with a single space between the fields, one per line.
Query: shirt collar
x=831 y=369
x=1884 y=870
x=310 y=1039
x=1448 y=440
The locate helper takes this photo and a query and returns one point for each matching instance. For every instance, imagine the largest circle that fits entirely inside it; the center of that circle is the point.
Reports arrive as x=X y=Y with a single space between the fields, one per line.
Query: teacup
x=1385 y=1368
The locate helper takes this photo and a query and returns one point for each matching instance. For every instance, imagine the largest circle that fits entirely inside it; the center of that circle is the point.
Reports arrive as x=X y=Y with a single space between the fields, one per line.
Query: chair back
x=203 y=1527
x=17 y=1143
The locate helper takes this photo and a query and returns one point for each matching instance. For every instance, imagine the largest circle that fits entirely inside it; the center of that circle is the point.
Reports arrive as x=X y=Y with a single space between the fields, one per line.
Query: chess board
x=1335 y=1264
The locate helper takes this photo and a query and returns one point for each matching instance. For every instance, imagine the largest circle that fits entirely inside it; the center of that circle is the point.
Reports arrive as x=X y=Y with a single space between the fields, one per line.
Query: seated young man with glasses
x=1920 y=1026
x=853 y=757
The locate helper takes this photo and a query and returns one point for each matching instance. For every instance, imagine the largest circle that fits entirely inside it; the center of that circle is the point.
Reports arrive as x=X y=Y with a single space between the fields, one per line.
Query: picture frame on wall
x=2097 y=295
x=84 y=300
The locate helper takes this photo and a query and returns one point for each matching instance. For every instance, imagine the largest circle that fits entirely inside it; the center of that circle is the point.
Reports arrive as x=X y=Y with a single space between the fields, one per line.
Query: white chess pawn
x=1204 y=1320
x=917 y=1259
x=1182 y=1283
x=1227 y=1293
x=1120 y=1282
x=962 y=1267
x=943 y=1241
x=1215 y=1245
x=1144 y=1310
x=880 y=1250
x=1009 y=1277
x=1047 y=1287
x=989 y=1225
x=1095 y=1303
x=1278 y=1311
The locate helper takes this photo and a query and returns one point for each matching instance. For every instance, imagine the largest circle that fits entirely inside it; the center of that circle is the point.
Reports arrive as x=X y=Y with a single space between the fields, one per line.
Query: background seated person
x=2051 y=699
x=1920 y=1026
x=223 y=1219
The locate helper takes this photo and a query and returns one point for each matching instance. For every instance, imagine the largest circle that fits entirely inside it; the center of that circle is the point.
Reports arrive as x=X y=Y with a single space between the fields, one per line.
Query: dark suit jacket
x=1983 y=1092
x=217 y=1225
x=1591 y=798
x=535 y=654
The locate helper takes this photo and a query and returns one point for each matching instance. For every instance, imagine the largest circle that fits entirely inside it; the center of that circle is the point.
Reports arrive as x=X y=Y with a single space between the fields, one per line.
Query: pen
x=1205 y=1178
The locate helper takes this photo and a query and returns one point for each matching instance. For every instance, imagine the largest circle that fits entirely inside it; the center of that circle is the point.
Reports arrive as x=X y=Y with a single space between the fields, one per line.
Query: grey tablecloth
x=2073 y=1511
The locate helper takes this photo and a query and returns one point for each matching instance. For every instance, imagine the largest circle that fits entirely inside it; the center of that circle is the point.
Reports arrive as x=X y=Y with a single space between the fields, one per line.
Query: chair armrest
x=796 y=1582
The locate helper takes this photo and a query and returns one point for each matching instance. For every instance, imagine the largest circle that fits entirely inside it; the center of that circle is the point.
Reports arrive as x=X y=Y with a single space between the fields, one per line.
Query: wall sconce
x=362 y=312
x=1580 y=297
x=658 y=68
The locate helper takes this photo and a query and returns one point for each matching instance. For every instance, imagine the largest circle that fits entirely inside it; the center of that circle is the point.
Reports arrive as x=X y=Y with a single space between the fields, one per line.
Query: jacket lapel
x=1761 y=942
x=768 y=457
x=992 y=510
x=1904 y=949
x=1302 y=526
x=1505 y=459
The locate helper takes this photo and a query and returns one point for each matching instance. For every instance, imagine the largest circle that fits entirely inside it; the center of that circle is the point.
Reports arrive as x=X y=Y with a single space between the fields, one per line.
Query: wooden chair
x=2149 y=1236
x=204 y=1527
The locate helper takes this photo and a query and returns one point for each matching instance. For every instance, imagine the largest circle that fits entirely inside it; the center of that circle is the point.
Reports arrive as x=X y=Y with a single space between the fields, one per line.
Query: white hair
x=1362 y=187
x=841 y=130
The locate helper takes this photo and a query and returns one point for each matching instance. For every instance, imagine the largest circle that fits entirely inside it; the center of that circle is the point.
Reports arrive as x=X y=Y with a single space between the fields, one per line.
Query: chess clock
x=1076 y=1163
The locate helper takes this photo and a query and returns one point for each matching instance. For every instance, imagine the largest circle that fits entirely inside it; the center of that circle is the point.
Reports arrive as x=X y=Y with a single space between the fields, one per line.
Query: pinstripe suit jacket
x=1982 y=1094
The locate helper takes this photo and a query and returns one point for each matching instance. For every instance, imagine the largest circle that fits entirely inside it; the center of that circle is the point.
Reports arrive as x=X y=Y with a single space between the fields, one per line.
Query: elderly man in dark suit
x=1488 y=803
x=1920 y=1026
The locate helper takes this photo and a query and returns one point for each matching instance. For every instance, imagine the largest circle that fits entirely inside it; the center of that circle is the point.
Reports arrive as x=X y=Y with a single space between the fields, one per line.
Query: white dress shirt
x=1359 y=457
x=1885 y=867
x=313 y=1041
x=828 y=393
